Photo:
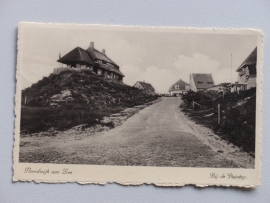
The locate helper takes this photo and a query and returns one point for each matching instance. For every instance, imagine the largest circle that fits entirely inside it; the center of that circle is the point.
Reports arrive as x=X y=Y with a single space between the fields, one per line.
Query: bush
x=237 y=121
x=36 y=119
x=92 y=98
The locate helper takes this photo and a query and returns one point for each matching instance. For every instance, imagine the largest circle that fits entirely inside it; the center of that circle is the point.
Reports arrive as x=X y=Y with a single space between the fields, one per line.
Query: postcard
x=138 y=105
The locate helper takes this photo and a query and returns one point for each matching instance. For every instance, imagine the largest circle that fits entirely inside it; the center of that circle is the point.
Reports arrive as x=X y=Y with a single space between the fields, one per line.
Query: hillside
x=237 y=115
x=72 y=98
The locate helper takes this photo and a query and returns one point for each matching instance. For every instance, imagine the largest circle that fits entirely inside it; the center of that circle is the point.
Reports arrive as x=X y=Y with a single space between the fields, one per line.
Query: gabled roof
x=110 y=68
x=146 y=86
x=95 y=54
x=182 y=84
x=250 y=60
x=202 y=81
x=76 y=55
x=86 y=56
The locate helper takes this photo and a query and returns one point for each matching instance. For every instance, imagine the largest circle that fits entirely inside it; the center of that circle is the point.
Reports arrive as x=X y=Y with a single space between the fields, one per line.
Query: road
x=155 y=136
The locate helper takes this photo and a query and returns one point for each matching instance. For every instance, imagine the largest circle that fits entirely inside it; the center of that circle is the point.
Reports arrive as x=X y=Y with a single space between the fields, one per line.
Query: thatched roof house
x=92 y=59
x=200 y=81
x=178 y=88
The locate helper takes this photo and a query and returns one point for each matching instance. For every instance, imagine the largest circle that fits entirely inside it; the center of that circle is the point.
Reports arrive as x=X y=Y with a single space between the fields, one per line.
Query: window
x=210 y=83
x=176 y=86
x=200 y=82
x=99 y=72
x=78 y=65
x=242 y=71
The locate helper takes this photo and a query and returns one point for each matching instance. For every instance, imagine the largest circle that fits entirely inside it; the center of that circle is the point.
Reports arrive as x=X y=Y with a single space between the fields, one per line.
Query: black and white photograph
x=143 y=97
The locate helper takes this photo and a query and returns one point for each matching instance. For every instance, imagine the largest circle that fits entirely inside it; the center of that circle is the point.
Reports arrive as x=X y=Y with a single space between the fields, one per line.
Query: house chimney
x=92 y=44
x=103 y=51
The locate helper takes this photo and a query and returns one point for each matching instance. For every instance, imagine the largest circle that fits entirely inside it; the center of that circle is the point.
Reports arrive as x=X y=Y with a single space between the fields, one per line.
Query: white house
x=180 y=87
x=247 y=71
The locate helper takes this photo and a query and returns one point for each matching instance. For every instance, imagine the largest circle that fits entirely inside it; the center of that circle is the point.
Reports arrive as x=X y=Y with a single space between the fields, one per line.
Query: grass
x=237 y=123
x=36 y=119
x=92 y=98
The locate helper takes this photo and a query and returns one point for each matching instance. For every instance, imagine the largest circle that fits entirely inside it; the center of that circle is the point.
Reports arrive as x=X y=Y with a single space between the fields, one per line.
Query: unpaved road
x=156 y=136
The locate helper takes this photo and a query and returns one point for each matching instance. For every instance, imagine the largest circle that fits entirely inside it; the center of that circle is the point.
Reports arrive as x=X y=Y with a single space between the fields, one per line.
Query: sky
x=157 y=57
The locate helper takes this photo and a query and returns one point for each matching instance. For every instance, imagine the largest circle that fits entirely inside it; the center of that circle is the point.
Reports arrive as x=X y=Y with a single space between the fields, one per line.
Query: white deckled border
x=259 y=97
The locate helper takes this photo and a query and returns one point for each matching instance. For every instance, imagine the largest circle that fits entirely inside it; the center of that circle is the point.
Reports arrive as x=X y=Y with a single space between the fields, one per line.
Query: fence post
x=218 y=113
x=25 y=100
x=82 y=118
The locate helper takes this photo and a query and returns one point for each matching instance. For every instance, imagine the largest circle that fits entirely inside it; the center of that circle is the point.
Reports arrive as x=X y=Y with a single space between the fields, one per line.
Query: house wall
x=245 y=78
x=172 y=92
x=192 y=84
x=111 y=75
x=99 y=71
x=138 y=85
x=242 y=76
x=83 y=66
x=60 y=69
x=115 y=77
x=251 y=82
x=78 y=65
x=105 y=73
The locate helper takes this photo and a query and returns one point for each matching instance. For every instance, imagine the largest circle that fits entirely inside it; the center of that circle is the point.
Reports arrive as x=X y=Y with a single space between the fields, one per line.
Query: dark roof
x=109 y=68
x=147 y=86
x=251 y=60
x=224 y=84
x=182 y=84
x=95 y=54
x=203 y=81
x=117 y=71
x=76 y=55
x=86 y=56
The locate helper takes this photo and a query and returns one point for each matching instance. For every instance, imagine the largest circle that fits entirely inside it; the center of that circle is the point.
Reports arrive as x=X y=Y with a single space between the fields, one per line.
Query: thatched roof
x=117 y=71
x=202 y=81
x=79 y=55
x=95 y=54
x=182 y=85
x=76 y=55
x=250 y=61
x=110 y=68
